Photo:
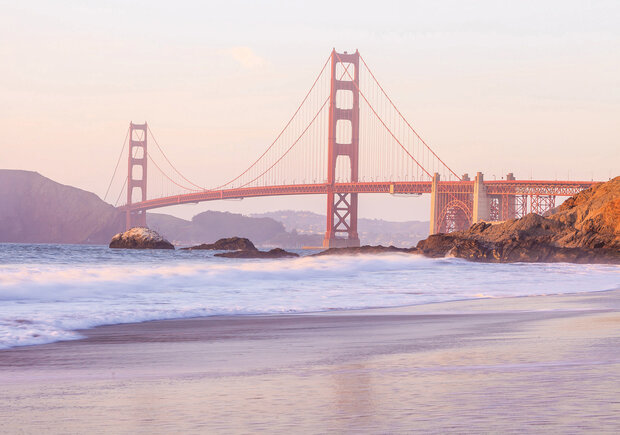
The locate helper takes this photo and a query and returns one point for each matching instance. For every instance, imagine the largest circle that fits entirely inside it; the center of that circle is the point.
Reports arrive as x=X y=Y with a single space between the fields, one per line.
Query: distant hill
x=371 y=231
x=213 y=225
x=35 y=209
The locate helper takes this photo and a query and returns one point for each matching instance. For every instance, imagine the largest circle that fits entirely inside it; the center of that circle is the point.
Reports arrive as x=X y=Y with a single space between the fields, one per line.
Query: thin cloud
x=246 y=57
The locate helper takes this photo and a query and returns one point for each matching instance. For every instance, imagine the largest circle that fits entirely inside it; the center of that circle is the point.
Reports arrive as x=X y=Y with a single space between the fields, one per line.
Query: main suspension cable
x=170 y=163
x=281 y=132
x=117 y=163
x=381 y=120
x=405 y=119
x=289 y=148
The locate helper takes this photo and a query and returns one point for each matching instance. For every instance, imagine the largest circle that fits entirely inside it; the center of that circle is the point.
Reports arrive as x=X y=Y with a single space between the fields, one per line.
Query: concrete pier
x=434 y=204
x=481 y=210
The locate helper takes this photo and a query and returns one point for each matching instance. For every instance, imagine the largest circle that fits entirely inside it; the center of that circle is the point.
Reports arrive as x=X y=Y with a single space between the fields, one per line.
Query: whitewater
x=49 y=292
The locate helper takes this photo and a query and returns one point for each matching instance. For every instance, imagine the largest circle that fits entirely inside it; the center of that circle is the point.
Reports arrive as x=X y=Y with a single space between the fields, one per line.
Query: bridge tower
x=344 y=127
x=136 y=168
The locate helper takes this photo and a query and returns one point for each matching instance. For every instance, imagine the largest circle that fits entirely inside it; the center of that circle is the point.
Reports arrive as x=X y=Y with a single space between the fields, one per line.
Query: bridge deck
x=496 y=187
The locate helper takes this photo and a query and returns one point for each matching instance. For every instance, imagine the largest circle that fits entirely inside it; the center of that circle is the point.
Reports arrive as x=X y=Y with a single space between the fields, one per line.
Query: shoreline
x=83 y=332
x=552 y=358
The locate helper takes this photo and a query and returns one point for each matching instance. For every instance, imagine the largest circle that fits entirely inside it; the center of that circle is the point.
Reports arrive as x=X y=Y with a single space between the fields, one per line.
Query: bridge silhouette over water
x=346 y=138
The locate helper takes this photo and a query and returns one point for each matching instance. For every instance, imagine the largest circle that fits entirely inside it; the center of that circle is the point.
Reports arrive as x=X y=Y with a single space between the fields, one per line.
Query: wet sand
x=535 y=364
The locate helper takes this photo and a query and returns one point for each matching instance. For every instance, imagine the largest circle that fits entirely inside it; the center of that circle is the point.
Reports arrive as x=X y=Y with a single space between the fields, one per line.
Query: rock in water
x=229 y=244
x=140 y=238
x=367 y=249
x=274 y=253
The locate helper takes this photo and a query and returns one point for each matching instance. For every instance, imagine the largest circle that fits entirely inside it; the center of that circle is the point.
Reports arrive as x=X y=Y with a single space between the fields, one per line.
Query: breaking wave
x=47 y=295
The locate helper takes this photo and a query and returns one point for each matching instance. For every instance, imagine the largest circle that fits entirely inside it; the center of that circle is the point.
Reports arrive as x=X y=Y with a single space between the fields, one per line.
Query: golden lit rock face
x=585 y=229
x=140 y=238
x=595 y=210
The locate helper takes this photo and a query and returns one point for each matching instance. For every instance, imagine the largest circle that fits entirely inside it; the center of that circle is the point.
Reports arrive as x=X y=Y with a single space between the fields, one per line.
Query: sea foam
x=45 y=298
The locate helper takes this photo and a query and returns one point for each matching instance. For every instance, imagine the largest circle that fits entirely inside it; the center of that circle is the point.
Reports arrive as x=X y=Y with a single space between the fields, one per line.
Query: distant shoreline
x=368 y=311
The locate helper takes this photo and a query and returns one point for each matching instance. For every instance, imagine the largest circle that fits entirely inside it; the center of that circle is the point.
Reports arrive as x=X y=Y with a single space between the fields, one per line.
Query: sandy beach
x=534 y=364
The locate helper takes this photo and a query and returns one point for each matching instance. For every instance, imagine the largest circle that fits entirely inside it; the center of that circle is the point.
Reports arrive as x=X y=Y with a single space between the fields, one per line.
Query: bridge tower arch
x=342 y=207
x=137 y=158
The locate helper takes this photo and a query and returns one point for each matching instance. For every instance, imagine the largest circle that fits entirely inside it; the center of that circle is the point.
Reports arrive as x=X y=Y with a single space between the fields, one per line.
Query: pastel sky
x=530 y=87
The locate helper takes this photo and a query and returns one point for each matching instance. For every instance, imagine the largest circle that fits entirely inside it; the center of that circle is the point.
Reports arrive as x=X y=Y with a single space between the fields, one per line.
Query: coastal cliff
x=584 y=229
x=36 y=209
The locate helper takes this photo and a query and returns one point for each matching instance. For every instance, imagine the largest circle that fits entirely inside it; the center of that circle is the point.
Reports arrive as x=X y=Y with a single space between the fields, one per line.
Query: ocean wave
x=47 y=302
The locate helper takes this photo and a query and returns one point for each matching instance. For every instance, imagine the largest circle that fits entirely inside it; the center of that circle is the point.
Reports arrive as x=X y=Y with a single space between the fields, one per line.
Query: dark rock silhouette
x=140 y=238
x=367 y=249
x=584 y=229
x=228 y=244
x=274 y=253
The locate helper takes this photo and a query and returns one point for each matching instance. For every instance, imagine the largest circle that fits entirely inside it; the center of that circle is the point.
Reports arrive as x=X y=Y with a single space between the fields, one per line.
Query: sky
x=529 y=87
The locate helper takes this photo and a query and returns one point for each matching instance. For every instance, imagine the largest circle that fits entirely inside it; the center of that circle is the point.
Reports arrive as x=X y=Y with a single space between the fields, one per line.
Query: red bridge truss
x=345 y=138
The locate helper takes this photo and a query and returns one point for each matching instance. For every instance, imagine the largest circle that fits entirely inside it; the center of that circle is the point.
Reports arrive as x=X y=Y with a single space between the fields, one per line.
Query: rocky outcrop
x=274 y=253
x=367 y=249
x=594 y=217
x=584 y=229
x=140 y=238
x=228 y=244
x=241 y=248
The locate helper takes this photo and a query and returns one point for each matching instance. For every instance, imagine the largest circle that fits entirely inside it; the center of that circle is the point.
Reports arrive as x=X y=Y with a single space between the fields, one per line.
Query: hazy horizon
x=493 y=86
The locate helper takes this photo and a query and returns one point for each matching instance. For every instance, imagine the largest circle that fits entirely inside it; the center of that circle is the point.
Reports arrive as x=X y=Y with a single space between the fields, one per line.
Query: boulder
x=366 y=249
x=229 y=244
x=274 y=253
x=140 y=238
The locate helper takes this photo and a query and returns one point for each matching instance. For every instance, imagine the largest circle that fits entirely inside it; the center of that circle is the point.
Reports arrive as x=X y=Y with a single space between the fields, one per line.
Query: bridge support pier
x=541 y=204
x=482 y=204
x=508 y=203
x=341 y=219
x=435 y=217
x=450 y=206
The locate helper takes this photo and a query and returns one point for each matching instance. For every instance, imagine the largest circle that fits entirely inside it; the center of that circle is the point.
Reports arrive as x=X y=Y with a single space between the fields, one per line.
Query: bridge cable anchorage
x=170 y=163
x=281 y=132
x=383 y=122
x=117 y=163
x=405 y=119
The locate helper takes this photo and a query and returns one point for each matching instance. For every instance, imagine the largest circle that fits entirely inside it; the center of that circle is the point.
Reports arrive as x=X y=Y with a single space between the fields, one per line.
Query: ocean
x=48 y=292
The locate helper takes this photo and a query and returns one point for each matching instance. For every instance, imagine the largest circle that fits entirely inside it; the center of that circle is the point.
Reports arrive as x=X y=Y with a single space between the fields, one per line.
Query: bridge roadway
x=495 y=187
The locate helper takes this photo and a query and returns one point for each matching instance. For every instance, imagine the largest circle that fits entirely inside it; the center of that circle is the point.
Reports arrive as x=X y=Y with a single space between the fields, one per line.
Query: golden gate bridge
x=346 y=138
